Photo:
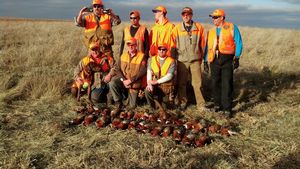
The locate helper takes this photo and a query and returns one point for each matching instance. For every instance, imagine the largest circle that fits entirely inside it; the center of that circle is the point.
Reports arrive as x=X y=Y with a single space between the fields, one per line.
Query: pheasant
x=89 y=119
x=105 y=112
x=156 y=131
x=102 y=122
x=132 y=125
x=167 y=131
x=115 y=123
x=202 y=140
x=188 y=139
x=123 y=124
x=78 y=120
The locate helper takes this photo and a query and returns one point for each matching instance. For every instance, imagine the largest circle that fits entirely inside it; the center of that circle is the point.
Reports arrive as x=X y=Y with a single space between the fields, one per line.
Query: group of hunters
x=162 y=62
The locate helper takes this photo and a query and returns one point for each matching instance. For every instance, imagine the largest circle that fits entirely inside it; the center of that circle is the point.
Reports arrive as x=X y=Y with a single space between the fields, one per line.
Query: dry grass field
x=37 y=59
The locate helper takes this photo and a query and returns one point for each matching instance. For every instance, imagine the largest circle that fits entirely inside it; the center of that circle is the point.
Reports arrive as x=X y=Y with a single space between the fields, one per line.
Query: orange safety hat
x=135 y=12
x=131 y=41
x=160 y=9
x=97 y=2
x=94 y=45
x=218 y=12
x=187 y=10
x=163 y=46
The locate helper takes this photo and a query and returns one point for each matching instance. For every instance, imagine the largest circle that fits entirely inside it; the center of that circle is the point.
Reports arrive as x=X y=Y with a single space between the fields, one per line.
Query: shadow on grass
x=254 y=86
x=291 y=161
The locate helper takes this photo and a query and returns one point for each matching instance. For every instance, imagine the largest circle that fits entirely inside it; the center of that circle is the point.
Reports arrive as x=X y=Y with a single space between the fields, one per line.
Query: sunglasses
x=215 y=17
x=98 y=6
x=130 y=44
x=162 y=49
x=133 y=17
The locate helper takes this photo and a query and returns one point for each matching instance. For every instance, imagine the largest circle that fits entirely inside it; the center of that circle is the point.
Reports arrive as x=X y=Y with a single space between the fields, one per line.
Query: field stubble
x=37 y=61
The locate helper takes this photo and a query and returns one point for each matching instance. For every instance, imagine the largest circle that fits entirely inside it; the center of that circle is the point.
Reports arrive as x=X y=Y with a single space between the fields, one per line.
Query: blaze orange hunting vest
x=91 y=22
x=160 y=71
x=131 y=67
x=225 y=42
x=139 y=36
x=161 y=34
x=105 y=62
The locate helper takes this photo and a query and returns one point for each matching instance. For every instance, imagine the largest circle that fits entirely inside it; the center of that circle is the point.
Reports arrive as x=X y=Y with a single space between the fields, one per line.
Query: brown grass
x=37 y=61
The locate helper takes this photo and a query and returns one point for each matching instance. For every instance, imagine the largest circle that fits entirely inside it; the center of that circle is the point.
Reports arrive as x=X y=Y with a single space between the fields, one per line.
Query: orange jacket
x=139 y=36
x=161 y=34
x=225 y=43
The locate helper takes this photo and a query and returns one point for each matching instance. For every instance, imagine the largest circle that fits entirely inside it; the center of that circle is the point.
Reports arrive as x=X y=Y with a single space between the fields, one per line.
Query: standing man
x=161 y=31
x=130 y=70
x=98 y=25
x=137 y=31
x=102 y=71
x=189 y=40
x=224 y=48
x=160 y=77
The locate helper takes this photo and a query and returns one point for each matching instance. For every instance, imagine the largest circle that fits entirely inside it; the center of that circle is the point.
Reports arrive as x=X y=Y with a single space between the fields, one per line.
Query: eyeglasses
x=133 y=17
x=162 y=49
x=215 y=17
x=185 y=14
x=98 y=6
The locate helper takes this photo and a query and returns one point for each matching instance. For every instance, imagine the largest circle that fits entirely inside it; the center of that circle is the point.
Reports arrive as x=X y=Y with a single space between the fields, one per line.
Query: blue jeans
x=98 y=95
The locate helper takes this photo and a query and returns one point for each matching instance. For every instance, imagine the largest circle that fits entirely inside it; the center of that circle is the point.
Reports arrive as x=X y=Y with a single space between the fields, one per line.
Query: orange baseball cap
x=187 y=10
x=163 y=45
x=160 y=9
x=97 y=2
x=131 y=41
x=218 y=12
x=135 y=12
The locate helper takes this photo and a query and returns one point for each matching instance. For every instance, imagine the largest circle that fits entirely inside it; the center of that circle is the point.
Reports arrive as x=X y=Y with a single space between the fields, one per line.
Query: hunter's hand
x=127 y=83
x=149 y=87
x=107 y=78
x=79 y=80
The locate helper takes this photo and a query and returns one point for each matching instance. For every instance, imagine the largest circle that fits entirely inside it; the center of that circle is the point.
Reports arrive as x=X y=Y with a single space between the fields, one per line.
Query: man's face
x=162 y=52
x=132 y=48
x=158 y=14
x=217 y=20
x=97 y=9
x=134 y=19
x=187 y=17
x=95 y=52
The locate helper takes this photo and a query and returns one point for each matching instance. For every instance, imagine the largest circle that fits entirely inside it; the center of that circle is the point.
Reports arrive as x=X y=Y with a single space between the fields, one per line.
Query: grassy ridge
x=37 y=61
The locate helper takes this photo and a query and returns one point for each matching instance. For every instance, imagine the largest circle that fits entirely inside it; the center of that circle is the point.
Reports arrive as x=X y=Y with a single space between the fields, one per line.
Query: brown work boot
x=115 y=112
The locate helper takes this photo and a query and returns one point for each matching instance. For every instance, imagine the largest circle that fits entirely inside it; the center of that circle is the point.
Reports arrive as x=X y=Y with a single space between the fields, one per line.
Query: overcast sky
x=258 y=13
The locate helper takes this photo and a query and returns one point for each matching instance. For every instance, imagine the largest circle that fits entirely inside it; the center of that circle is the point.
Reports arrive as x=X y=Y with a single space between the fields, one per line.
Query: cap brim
x=130 y=43
x=186 y=11
x=155 y=10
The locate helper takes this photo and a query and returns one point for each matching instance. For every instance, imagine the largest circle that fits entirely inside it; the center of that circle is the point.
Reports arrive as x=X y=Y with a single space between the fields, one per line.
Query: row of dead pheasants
x=188 y=132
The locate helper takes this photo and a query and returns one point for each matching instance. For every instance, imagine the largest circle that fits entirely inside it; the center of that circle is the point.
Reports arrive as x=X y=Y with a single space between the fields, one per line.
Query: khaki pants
x=190 y=72
x=119 y=91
